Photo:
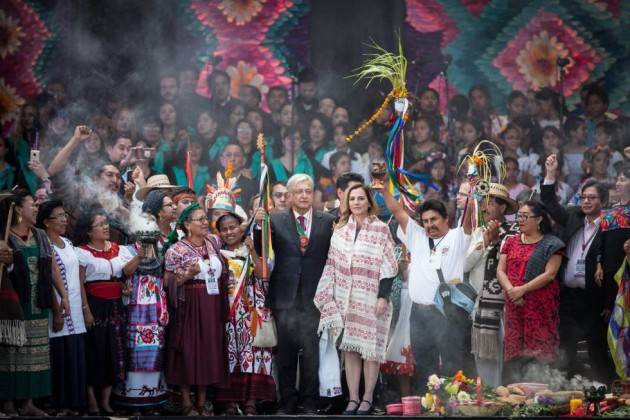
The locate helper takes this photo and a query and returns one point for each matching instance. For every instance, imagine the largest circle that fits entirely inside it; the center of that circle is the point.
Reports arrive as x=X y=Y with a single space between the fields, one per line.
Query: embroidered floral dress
x=146 y=322
x=531 y=330
x=250 y=367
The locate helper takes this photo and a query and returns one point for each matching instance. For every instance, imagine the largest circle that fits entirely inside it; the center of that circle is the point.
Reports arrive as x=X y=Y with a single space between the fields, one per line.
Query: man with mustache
x=436 y=251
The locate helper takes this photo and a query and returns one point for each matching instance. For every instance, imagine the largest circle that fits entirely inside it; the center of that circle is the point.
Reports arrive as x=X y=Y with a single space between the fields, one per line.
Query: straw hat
x=154 y=182
x=501 y=192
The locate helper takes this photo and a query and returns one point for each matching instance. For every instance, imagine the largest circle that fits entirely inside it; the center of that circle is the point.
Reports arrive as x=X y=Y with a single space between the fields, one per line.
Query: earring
x=19 y=220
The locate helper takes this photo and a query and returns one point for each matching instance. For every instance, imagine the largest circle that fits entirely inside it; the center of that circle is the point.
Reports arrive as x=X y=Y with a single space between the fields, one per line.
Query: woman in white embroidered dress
x=352 y=295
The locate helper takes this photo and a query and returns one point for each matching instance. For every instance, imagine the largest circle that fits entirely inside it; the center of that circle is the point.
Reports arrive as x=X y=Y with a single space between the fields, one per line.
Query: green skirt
x=25 y=371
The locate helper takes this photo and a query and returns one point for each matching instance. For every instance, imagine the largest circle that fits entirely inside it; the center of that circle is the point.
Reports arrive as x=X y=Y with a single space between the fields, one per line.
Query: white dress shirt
x=308 y=219
x=577 y=249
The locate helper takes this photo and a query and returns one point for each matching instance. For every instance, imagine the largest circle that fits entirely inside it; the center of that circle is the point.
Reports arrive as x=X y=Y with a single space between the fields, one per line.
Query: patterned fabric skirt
x=25 y=371
x=141 y=389
x=67 y=356
x=105 y=342
x=247 y=387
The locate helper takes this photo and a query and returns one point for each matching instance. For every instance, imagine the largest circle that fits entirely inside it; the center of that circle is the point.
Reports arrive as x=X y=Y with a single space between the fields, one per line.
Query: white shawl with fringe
x=347 y=292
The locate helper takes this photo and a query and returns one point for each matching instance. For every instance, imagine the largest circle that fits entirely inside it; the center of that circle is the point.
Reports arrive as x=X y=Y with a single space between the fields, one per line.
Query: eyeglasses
x=200 y=220
x=62 y=216
x=590 y=197
x=524 y=216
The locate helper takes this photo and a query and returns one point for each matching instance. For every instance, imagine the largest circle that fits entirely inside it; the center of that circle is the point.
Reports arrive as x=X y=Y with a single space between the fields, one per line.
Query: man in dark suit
x=301 y=237
x=581 y=297
x=221 y=103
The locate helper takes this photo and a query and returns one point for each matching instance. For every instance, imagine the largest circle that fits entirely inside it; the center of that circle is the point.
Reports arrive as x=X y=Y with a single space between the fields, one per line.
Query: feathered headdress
x=224 y=195
x=485 y=160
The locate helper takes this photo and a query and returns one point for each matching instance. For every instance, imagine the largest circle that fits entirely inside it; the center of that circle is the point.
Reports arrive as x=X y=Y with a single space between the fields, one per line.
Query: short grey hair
x=298 y=179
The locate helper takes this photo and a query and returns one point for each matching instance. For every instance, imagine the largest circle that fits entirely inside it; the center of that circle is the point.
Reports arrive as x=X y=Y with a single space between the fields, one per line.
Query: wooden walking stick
x=6 y=238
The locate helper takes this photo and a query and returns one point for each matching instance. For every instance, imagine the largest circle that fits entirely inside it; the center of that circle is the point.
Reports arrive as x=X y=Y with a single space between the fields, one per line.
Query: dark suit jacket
x=569 y=221
x=293 y=271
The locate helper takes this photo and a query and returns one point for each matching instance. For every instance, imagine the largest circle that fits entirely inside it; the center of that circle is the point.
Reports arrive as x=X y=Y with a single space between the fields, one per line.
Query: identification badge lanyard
x=206 y=271
x=580 y=268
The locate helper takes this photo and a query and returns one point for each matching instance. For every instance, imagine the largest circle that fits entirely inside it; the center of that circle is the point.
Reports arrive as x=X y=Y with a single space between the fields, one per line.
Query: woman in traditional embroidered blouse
x=250 y=367
x=147 y=317
x=197 y=281
x=352 y=295
x=104 y=263
x=33 y=271
x=67 y=333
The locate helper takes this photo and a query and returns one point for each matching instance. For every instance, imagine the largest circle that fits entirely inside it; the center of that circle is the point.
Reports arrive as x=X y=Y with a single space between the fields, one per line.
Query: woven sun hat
x=154 y=182
x=500 y=191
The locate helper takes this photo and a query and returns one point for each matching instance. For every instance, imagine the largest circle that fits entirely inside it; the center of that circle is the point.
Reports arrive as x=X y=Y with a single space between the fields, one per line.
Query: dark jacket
x=569 y=221
x=294 y=272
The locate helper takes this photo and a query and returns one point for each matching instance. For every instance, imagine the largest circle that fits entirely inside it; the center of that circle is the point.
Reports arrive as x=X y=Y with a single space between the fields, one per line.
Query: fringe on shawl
x=370 y=356
x=12 y=332
x=485 y=345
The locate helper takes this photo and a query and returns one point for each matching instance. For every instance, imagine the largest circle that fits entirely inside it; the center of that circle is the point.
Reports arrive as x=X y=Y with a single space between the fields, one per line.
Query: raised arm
x=81 y=134
x=397 y=209
x=548 y=192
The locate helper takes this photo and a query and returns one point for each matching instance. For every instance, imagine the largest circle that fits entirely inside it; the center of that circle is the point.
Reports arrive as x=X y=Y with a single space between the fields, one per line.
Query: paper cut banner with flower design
x=25 y=44
x=506 y=47
x=252 y=40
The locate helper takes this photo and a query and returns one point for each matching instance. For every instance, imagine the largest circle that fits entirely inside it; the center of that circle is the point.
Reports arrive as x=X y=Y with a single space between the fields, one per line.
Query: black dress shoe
x=352 y=412
x=365 y=412
x=287 y=411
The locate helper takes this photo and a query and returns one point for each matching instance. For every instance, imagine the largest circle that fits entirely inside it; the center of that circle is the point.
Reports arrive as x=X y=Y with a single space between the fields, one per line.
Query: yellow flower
x=427 y=401
x=240 y=12
x=10 y=102
x=12 y=32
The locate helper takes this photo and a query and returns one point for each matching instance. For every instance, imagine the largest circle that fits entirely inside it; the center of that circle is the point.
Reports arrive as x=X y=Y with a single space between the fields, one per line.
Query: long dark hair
x=45 y=210
x=17 y=199
x=539 y=210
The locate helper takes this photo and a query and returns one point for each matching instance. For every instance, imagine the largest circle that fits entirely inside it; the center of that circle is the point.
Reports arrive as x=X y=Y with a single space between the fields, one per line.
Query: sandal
x=33 y=412
x=250 y=408
x=189 y=411
x=203 y=411
x=230 y=409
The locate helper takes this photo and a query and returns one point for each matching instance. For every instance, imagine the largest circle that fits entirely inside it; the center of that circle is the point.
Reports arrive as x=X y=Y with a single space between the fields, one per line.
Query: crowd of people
x=136 y=274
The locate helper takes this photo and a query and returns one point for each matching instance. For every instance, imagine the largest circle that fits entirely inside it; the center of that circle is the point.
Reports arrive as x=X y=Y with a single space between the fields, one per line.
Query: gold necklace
x=528 y=242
